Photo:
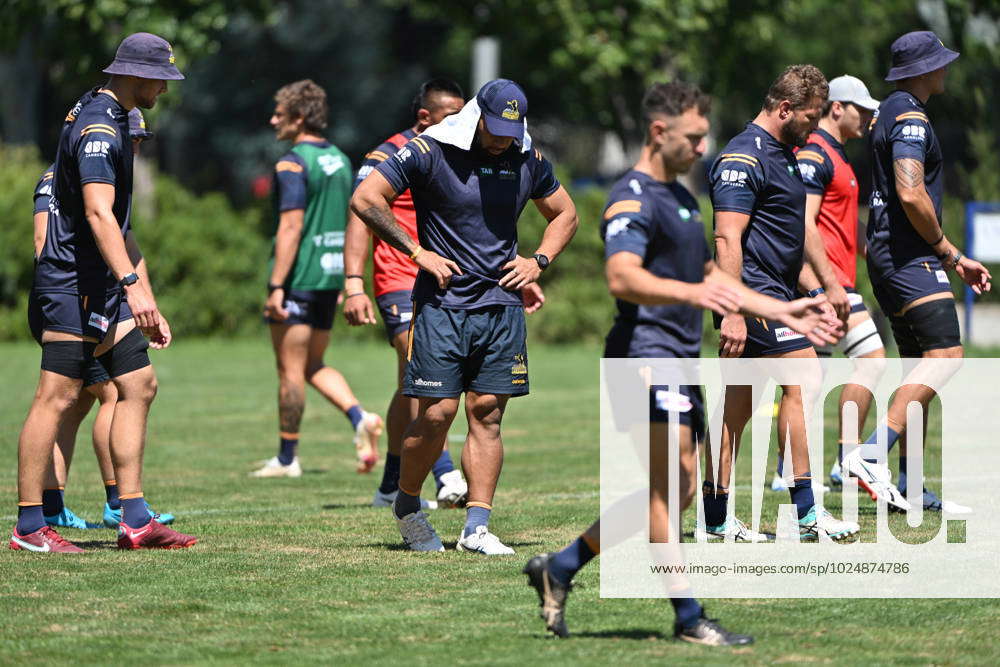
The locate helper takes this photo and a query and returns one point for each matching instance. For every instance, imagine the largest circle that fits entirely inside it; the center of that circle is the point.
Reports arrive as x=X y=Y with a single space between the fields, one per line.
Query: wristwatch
x=543 y=261
x=271 y=287
x=129 y=279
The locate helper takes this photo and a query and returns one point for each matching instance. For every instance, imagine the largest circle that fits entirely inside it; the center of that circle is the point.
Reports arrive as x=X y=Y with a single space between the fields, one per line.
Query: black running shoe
x=708 y=632
x=551 y=594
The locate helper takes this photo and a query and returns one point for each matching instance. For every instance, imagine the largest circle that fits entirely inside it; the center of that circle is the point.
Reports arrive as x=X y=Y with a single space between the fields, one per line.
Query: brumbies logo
x=171 y=50
x=519 y=367
x=511 y=112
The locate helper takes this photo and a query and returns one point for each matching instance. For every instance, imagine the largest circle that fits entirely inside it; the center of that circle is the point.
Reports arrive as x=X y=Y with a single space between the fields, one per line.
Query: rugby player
x=832 y=208
x=659 y=269
x=470 y=177
x=760 y=237
x=909 y=254
x=393 y=275
x=312 y=183
x=96 y=384
x=95 y=299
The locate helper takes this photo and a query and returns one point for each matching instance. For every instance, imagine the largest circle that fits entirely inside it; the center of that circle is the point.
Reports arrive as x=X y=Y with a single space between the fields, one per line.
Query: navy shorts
x=857 y=302
x=917 y=279
x=451 y=351
x=313 y=307
x=687 y=402
x=89 y=315
x=396 y=309
x=769 y=337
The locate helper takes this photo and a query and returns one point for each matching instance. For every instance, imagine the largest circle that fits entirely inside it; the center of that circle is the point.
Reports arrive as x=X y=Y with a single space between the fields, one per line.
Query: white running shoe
x=274 y=468
x=875 y=479
x=484 y=542
x=954 y=508
x=733 y=526
x=819 y=520
x=387 y=499
x=418 y=533
x=366 y=441
x=454 y=490
x=778 y=483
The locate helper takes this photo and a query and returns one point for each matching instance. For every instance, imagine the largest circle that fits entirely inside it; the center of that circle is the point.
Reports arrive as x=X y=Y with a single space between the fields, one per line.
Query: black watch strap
x=271 y=287
x=129 y=279
x=543 y=261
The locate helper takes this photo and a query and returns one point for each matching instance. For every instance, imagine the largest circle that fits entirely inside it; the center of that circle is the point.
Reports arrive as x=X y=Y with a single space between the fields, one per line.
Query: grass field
x=304 y=571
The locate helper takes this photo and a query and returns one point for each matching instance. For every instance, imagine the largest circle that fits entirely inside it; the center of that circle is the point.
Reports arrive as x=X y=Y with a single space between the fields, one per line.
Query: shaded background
x=203 y=216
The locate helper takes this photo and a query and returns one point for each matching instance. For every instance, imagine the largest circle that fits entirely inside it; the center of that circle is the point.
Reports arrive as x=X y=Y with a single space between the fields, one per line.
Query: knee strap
x=861 y=340
x=934 y=324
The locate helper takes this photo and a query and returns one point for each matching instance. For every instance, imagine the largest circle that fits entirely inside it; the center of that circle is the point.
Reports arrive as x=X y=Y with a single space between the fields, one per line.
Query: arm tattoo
x=382 y=222
x=909 y=172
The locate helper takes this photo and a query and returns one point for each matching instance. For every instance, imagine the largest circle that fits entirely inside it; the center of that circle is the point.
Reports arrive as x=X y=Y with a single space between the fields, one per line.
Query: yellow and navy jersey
x=43 y=190
x=901 y=130
x=94 y=147
x=468 y=203
x=659 y=222
x=758 y=175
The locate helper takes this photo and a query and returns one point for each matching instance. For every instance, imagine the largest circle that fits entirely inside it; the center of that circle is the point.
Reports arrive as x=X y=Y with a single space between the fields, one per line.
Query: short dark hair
x=306 y=100
x=799 y=84
x=673 y=99
x=433 y=87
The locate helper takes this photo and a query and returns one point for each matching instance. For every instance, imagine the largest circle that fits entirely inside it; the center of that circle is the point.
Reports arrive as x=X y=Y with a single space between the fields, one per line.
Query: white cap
x=848 y=88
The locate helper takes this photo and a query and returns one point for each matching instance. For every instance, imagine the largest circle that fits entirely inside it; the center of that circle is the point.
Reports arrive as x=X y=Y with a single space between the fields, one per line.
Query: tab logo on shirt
x=403 y=155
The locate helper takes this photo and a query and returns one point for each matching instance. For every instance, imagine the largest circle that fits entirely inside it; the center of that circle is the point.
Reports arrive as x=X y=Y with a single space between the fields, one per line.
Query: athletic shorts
x=687 y=402
x=451 y=351
x=396 y=309
x=913 y=281
x=89 y=315
x=770 y=337
x=313 y=307
x=857 y=303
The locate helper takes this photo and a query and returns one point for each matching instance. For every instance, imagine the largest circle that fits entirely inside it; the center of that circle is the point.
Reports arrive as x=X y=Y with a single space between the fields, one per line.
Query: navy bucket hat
x=504 y=106
x=137 y=125
x=145 y=56
x=917 y=53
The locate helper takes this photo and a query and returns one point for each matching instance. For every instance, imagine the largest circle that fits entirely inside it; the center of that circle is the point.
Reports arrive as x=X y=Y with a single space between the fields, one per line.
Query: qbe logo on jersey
x=914 y=132
x=843 y=544
x=96 y=148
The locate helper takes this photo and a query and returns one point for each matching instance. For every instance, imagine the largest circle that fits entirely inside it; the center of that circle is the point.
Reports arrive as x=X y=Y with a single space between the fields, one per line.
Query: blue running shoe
x=67 y=519
x=836 y=477
x=114 y=517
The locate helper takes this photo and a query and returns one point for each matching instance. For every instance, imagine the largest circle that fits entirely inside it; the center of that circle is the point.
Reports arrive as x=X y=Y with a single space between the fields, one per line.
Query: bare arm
x=41 y=221
x=371 y=203
x=917 y=202
x=98 y=200
x=558 y=208
x=286 y=244
x=357 y=306
x=729 y=228
x=816 y=270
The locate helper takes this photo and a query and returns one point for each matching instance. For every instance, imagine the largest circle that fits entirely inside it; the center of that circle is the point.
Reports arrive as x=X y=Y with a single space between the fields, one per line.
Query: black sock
x=390 y=475
x=405 y=504
x=286 y=451
x=52 y=502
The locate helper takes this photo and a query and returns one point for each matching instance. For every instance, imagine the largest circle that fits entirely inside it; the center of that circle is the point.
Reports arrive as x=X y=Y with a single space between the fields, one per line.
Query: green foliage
x=207 y=262
x=577 y=305
x=20 y=168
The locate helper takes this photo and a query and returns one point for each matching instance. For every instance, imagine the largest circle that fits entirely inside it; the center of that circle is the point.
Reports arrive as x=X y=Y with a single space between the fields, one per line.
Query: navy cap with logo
x=137 y=125
x=917 y=53
x=145 y=56
x=504 y=107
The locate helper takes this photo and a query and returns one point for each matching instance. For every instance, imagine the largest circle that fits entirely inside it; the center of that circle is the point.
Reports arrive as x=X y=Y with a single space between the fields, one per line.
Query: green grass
x=303 y=571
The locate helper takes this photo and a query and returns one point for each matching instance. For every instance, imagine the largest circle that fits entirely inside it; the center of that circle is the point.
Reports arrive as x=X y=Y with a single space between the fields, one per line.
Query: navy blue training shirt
x=758 y=175
x=659 y=222
x=467 y=204
x=94 y=148
x=43 y=190
x=902 y=130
